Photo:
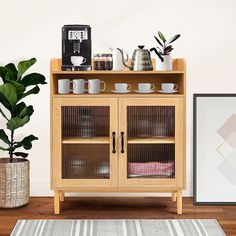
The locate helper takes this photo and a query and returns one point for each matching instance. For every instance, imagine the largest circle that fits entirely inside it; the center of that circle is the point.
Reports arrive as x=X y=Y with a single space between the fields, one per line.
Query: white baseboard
x=42 y=189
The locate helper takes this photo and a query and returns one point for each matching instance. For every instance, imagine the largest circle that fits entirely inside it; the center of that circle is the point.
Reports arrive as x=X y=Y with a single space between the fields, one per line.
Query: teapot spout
x=123 y=59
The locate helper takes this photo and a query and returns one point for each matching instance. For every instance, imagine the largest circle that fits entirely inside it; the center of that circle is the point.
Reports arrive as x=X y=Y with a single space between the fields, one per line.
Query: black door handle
x=122 y=142
x=114 y=142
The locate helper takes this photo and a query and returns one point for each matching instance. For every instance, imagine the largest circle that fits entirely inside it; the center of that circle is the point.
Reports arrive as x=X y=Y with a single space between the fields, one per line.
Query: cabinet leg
x=56 y=202
x=179 y=202
x=62 y=196
x=174 y=196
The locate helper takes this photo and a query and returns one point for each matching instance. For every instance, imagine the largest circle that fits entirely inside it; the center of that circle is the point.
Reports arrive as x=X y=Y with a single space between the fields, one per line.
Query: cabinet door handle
x=122 y=142
x=113 y=142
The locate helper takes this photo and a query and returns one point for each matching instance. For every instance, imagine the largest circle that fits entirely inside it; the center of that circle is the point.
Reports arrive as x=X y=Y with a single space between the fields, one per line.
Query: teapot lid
x=141 y=46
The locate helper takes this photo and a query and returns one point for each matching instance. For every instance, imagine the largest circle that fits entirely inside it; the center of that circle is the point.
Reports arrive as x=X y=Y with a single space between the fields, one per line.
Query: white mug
x=122 y=87
x=79 y=86
x=94 y=86
x=64 y=86
x=77 y=60
x=146 y=87
x=169 y=87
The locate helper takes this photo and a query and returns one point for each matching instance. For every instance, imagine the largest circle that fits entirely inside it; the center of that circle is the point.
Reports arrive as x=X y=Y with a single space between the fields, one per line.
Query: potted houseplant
x=163 y=51
x=14 y=169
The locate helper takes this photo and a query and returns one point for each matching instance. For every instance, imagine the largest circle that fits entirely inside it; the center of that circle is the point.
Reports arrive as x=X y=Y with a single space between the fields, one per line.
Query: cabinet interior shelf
x=106 y=140
x=78 y=140
x=151 y=140
x=110 y=94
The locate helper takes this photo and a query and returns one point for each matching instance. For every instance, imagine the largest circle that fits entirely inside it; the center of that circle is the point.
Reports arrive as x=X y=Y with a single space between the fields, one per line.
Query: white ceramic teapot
x=117 y=59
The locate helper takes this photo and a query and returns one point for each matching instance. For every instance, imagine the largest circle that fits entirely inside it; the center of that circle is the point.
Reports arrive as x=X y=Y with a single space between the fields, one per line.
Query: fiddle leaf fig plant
x=164 y=48
x=14 y=88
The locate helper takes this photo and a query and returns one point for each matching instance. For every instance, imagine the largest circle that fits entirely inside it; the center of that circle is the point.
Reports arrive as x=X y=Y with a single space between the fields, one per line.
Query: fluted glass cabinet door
x=151 y=134
x=85 y=145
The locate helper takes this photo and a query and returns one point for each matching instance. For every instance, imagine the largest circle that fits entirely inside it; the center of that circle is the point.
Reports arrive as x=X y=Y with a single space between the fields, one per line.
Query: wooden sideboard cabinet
x=118 y=142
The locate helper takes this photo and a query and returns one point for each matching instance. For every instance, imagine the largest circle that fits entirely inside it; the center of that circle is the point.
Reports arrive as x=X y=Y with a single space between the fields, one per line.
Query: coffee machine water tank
x=76 y=44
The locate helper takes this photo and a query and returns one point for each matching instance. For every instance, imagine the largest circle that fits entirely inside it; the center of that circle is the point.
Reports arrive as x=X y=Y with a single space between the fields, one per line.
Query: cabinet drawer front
x=151 y=142
x=83 y=142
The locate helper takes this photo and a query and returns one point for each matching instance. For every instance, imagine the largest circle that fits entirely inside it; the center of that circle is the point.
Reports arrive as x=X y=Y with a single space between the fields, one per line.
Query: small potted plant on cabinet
x=14 y=170
x=163 y=51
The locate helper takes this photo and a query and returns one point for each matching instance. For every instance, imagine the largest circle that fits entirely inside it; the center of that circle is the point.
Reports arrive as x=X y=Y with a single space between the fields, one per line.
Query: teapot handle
x=123 y=59
x=126 y=55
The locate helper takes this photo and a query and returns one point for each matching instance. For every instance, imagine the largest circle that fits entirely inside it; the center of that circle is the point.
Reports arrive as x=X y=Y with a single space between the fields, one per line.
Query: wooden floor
x=117 y=208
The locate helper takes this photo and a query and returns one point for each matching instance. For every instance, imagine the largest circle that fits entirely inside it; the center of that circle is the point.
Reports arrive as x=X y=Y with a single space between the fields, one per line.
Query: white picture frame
x=214 y=149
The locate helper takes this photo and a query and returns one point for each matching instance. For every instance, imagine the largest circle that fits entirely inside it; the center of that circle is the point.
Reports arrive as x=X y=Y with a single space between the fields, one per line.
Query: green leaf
x=4 y=137
x=19 y=87
x=8 y=95
x=23 y=66
x=171 y=40
x=13 y=69
x=34 y=90
x=21 y=154
x=18 y=108
x=3 y=72
x=9 y=77
x=158 y=40
x=168 y=52
x=33 y=79
x=27 y=111
x=162 y=37
x=22 y=110
x=5 y=102
x=17 y=122
x=4 y=149
x=168 y=49
x=1 y=111
x=26 y=142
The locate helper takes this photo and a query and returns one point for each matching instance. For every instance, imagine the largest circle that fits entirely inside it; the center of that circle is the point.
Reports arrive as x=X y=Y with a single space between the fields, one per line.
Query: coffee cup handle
x=104 y=85
x=73 y=86
x=176 y=86
x=84 y=60
x=152 y=86
x=86 y=82
x=129 y=87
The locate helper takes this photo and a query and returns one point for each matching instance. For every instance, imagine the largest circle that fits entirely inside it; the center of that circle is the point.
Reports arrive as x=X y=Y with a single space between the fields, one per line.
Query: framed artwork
x=214 y=149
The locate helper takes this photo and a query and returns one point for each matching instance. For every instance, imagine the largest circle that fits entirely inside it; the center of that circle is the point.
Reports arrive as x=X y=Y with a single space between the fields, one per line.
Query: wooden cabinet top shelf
x=97 y=72
x=78 y=140
x=177 y=63
x=151 y=140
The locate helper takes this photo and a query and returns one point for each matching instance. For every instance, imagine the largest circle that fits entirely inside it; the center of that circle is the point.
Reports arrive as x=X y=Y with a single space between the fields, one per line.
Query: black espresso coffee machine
x=76 y=47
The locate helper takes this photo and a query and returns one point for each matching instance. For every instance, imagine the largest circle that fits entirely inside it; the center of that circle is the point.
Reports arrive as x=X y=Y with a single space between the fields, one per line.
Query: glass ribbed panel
x=151 y=121
x=85 y=161
x=86 y=121
x=82 y=159
x=151 y=161
x=156 y=160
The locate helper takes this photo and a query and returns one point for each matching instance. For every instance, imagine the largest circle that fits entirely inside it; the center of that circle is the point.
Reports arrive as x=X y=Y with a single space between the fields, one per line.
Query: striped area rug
x=206 y=227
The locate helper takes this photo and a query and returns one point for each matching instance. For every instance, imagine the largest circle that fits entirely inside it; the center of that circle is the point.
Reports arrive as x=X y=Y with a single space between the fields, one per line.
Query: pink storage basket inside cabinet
x=150 y=169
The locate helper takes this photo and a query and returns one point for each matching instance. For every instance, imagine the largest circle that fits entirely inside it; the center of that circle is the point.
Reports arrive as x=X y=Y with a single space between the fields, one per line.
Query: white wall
x=33 y=29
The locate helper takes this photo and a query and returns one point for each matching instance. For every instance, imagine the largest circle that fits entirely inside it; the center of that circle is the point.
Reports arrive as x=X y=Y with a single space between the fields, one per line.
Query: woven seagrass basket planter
x=14 y=182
